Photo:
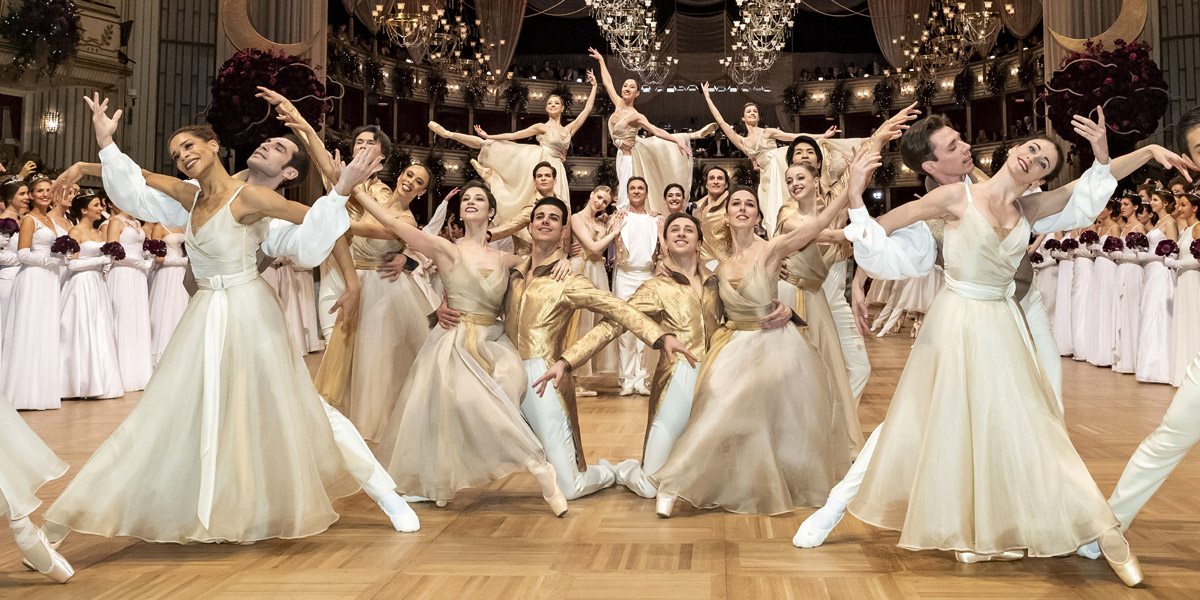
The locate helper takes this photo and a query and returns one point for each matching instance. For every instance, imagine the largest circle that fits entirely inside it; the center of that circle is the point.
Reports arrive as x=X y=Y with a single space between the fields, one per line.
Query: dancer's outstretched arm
x=806 y=230
x=581 y=118
x=775 y=133
x=606 y=77
x=441 y=250
x=734 y=137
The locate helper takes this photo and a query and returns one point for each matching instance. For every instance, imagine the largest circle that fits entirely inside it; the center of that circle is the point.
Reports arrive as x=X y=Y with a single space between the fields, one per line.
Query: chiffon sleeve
x=907 y=253
x=127 y=189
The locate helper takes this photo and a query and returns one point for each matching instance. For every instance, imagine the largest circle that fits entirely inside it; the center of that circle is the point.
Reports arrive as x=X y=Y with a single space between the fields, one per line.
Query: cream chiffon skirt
x=757 y=442
x=459 y=424
x=973 y=454
x=26 y=463
x=277 y=466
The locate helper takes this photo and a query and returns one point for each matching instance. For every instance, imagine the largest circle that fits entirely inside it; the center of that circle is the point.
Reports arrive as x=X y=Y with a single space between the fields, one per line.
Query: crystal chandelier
x=980 y=27
x=759 y=35
x=631 y=29
x=410 y=27
x=938 y=44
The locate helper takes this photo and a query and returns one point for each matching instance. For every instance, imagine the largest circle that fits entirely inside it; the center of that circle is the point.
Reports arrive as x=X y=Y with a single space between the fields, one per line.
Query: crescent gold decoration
x=1128 y=27
x=235 y=16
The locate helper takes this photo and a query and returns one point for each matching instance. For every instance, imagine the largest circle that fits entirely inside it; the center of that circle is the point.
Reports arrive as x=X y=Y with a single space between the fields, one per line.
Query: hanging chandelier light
x=937 y=44
x=631 y=29
x=980 y=27
x=758 y=36
x=408 y=24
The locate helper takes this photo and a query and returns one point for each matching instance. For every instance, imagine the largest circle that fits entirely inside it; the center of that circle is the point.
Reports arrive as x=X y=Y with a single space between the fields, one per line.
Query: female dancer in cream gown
x=765 y=154
x=505 y=166
x=87 y=339
x=168 y=297
x=1186 y=318
x=14 y=196
x=756 y=444
x=1101 y=306
x=660 y=160
x=458 y=423
x=1155 y=335
x=974 y=456
x=807 y=270
x=1129 y=291
x=1062 y=301
x=26 y=463
x=129 y=292
x=31 y=372
x=595 y=237
x=230 y=441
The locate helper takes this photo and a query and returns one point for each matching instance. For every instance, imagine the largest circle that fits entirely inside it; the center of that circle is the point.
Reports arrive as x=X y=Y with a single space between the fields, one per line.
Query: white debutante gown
x=31 y=372
x=1155 y=333
x=230 y=441
x=1186 y=318
x=973 y=454
x=1129 y=309
x=1046 y=279
x=507 y=168
x=168 y=297
x=8 y=271
x=87 y=338
x=1082 y=320
x=1062 y=307
x=297 y=295
x=26 y=463
x=1102 y=309
x=130 y=295
x=772 y=193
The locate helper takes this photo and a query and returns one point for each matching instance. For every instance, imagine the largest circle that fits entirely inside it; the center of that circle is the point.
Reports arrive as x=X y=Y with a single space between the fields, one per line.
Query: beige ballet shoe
x=581 y=392
x=972 y=557
x=664 y=503
x=548 y=480
x=438 y=129
x=30 y=539
x=705 y=131
x=442 y=503
x=1120 y=558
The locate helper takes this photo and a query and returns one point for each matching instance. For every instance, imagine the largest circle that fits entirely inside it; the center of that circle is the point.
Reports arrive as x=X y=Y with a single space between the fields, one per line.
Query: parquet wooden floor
x=502 y=542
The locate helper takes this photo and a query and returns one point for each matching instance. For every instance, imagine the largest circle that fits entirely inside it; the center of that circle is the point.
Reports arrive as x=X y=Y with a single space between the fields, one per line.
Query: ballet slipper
x=548 y=480
x=581 y=392
x=1090 y=550
x=1120 y=558
x=437 y=129
x=664 y=503
x=972 y=557
x=442 y=503
x=399 y=512
x=704 y=132
x=641 y=389
x=411 y=499
x=813 y=531
x=37 y=551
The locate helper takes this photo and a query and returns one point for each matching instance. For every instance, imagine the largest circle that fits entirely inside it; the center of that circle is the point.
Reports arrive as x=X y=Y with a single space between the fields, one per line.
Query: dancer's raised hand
x=480 y=132
x=592 y=52
x=895 y=126
x=862 y=164
x=1095 y=132
x=1169 y=160
x=591 y=77
x=365 y=164
x=104 y=125
x=832 y=131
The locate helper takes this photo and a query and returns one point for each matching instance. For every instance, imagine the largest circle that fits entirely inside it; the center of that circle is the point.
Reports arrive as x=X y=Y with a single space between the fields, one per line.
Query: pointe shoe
x=548 y=480
x=399 y=513
x=641 y=389
x=627 y=390
x=664 y=503
x=582 y=392
x=705 y=131
x=30 y=537
x=811 y=534
x=1120 y=558
x=442 y=503
x=972 y=557
x=437 y=129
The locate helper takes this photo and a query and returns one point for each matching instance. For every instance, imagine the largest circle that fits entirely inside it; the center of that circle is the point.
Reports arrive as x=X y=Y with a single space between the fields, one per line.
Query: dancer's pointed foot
x=819 y=525
x=401 y=514
x=705 y=131
x=972 y=557
x=664 y=504
x=551 y=493
x=1090 y=550
x=1120 y=558
x=37 y=552
x=435 y=127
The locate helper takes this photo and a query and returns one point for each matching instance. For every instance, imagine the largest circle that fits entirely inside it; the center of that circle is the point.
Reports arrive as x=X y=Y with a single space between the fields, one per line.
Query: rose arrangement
x=1195 y=249
x=239 y=118
x=1089 y=237
x=64 y=245
x=9 y=227
x=42 y=30
x=1070 y=244
x=1036 y=258
x=156 y=247
x=1053 y=244
x=113 y=249
x=1125 y=80
x=1137 y=240
x=1113 y=243
x=1167 y=248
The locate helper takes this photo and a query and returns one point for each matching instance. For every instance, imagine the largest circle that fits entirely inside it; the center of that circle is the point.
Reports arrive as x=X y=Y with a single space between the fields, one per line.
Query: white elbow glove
x=27 y=256
x=95 y=263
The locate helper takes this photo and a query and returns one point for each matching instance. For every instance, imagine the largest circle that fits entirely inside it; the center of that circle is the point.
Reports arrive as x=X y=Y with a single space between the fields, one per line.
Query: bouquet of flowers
x=1113 y=243
x=1053 y=244
x=9 y=228
x=1036 y=258
x=1089 y=237
x=64 y=245
x=1167 y=248
x=113 y=249
x=1195 y=249
x=1069 y=244
x=1136 y=241
x=156 y=247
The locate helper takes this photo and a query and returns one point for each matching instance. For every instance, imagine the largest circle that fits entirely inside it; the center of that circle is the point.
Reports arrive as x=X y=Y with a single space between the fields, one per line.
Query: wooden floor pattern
x=501 y=542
